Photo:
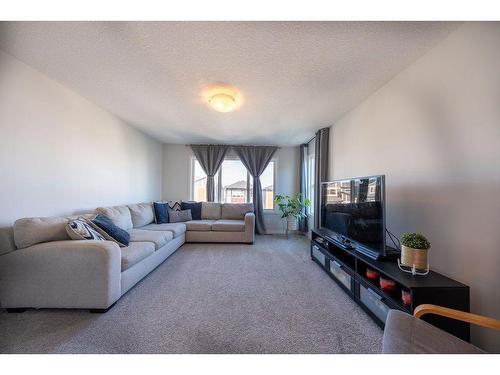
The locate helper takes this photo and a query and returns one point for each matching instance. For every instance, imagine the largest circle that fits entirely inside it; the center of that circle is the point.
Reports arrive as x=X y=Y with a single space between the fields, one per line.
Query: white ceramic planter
x=292 y=223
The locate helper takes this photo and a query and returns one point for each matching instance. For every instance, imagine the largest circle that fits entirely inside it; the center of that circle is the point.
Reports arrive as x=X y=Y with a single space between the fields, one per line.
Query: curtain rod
x=315 y=135
x=222 y=144
x=305 y=143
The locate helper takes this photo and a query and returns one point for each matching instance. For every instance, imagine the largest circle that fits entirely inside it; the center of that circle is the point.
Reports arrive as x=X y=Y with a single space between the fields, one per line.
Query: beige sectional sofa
x=41 y=267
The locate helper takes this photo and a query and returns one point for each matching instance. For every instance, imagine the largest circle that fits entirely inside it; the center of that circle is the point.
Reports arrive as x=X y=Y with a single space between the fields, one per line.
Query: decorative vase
x=292 y=223
x=411 y=257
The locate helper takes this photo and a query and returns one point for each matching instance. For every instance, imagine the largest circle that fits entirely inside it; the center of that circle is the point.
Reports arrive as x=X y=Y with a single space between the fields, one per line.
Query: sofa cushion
x=81 y=216
x=161 y=212
x=141 y=214
x=109 y=230
x=135 y=252
x=7 y=240
x=210 y=210
x=235 y=211
x=405 y=334
x=199 y=225
x=179 y=216
x=229 y=226
x=81 y=229
x=159 y=238
x=119 y=215
x=177 y=229
x=32 y=230
x=195 y=208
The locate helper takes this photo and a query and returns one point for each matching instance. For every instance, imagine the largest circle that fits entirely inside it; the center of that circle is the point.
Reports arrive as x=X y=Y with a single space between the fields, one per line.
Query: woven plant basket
x=411 y=256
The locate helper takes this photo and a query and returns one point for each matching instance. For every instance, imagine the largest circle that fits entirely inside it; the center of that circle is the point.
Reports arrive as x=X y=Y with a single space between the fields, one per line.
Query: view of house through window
x=233 y=183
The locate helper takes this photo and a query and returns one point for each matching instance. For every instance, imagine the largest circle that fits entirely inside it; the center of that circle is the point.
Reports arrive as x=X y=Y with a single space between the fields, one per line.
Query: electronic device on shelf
x=390 y=253
x=341 y=241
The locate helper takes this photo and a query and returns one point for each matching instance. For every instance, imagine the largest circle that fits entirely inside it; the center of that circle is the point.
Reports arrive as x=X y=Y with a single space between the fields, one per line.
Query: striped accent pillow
x=171 y=205
x=174 y=205
x=80 y=229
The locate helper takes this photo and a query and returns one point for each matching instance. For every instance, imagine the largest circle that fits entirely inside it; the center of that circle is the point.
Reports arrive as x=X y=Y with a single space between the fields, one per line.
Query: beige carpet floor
x=211 y=298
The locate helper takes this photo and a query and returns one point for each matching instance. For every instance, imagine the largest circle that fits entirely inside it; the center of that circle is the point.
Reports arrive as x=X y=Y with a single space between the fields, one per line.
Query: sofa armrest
x=249 y=227
x=406 y=334
x=463 y=316
x=61 y=274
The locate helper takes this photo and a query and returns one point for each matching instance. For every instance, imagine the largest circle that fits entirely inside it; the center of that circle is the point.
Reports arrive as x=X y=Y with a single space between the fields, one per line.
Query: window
x=267 y=184
x=233 y=183
x=199 y=182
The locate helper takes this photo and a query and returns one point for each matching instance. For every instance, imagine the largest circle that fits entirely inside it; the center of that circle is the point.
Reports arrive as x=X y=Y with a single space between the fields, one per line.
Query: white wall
x=176 y=175
x=434 y=131
x=61 y=154
x=176 y=172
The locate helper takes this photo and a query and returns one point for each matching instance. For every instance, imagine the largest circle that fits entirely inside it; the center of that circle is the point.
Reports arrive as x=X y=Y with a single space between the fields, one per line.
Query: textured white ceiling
x=296 y=77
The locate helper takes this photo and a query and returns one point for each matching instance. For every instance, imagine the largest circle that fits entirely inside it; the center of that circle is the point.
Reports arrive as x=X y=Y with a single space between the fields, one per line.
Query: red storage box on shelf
x=387 y=284
x=371 y=274
x=406 y=297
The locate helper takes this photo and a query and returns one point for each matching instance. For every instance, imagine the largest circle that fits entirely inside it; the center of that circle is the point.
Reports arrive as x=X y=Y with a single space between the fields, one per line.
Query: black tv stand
x=348 y=268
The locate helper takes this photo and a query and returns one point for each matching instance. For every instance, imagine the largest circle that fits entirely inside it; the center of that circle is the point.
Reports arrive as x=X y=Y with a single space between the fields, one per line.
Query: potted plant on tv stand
x=292 y=209
x=414 y=249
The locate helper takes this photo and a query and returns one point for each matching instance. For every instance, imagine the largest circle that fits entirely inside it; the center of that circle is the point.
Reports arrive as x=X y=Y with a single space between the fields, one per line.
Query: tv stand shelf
x=349 y=269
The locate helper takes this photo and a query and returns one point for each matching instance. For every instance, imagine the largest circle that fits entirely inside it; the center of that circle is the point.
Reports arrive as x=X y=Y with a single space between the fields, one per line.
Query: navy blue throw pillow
x=116 y=233
x=161 y=212
x=194 y=207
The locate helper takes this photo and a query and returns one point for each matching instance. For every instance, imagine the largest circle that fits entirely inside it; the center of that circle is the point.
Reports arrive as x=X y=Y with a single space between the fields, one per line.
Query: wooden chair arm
x=479 y=320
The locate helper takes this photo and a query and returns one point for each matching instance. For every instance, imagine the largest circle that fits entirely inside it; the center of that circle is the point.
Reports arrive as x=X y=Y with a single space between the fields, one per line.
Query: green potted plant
x=292 y=209
x=414 y=248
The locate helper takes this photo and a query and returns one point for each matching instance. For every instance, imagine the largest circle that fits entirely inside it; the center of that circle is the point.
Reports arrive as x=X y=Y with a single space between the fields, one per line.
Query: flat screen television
x=353 y=211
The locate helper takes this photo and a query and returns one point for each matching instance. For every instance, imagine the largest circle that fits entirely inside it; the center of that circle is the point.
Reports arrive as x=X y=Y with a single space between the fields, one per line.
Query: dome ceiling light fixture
x=221 y=97
x=222 y=102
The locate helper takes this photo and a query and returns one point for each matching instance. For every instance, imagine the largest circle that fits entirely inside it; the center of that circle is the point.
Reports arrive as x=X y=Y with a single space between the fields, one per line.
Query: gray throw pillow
x=179 y=216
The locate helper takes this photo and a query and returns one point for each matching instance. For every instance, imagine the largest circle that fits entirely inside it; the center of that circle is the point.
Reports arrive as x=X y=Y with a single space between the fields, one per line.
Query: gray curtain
x=210 y=158
x=320 y=168
x=256 y=159
x=303 y=184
